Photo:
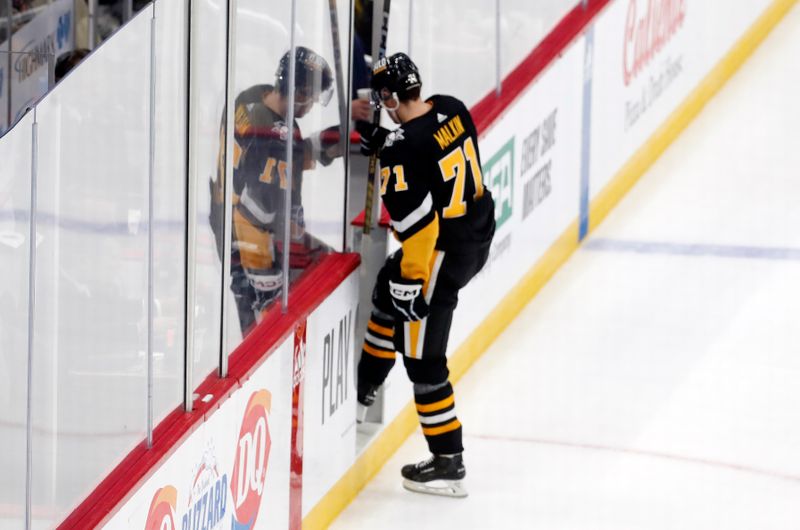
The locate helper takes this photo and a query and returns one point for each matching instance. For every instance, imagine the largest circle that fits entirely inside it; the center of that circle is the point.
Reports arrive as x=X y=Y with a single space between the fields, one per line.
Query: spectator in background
x=363 y=24
x=360 y=108
x=67 y=61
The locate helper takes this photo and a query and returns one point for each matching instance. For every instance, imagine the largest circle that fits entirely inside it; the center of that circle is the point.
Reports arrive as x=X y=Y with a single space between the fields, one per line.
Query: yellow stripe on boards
x=395 y=433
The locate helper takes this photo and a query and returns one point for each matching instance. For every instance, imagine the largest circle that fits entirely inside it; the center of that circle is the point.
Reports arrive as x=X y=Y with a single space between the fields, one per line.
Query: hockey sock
x=378 y=353
x=437 y=415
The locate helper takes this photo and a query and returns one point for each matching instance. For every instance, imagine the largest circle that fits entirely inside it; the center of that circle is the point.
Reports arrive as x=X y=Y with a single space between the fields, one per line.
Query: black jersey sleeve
x=406 y=194
x=408 y=199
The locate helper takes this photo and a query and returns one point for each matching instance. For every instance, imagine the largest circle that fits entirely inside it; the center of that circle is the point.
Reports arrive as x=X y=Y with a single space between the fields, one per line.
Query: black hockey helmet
x=394 y=75
x=313 y=76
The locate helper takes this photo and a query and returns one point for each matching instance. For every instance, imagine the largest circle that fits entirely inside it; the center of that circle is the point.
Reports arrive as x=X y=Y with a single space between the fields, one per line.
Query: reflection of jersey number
x=268 y=175
x=453 y=166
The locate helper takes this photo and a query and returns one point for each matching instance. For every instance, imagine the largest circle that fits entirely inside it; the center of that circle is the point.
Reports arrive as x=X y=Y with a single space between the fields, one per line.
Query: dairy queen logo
x=162 y=510
x=250 y=461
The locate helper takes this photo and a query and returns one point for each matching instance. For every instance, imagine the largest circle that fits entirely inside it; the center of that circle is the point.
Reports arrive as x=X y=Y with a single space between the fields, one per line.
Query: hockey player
x=260 y=179
x=431 y=184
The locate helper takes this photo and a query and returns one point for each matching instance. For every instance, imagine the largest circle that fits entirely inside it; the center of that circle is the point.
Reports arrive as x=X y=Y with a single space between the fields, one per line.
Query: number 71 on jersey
x=452 y=166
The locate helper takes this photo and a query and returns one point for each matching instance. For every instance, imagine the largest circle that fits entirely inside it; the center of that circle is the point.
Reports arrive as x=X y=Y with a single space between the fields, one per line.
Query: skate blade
x=444 y=488
x=361 y=413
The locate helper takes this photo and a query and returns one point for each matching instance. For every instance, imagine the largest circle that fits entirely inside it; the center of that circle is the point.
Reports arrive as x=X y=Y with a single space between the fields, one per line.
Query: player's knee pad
x=427 y=371
x=427 y=388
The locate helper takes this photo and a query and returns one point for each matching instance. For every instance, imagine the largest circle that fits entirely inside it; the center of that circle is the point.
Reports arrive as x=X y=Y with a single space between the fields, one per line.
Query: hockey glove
x=325 y=145
x=372 y=138
x=408 y=300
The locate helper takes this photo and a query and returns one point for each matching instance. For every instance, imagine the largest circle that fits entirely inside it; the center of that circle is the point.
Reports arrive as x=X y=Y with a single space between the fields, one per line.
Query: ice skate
x=366 y=397
x=438 y=475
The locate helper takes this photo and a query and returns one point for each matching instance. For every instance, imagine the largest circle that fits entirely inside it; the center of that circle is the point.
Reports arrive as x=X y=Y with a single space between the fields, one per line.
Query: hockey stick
x=337 y=63
x=344 y=102
x=376 y=119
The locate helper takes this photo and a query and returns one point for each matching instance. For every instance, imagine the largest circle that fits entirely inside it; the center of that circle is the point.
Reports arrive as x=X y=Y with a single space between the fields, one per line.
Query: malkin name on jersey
x=448 y=133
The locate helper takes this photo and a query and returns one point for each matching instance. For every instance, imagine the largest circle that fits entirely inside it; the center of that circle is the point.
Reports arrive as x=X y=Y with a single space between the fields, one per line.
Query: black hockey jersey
x=432 y=185
x=260 y=167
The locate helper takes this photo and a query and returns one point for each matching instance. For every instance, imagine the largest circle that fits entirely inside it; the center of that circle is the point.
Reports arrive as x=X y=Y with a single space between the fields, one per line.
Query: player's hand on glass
x=324 y=146
x=408 y=299
x=372 y=138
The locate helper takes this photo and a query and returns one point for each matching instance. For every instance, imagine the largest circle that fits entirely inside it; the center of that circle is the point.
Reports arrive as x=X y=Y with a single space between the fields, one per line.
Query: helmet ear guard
x=380 y=97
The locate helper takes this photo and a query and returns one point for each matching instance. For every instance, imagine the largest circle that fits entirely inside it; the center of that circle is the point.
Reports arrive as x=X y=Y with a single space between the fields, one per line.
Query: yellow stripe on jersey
x=412 y=331
x=432 y=266
x=447 y=427
x=417 y=252
x=439 y=405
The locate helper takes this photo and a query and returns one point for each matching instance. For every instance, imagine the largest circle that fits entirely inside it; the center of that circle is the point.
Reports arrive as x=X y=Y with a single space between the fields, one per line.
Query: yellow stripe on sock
x=388 y=332
x=447 y=427
x=383 y=354
x=439 y=405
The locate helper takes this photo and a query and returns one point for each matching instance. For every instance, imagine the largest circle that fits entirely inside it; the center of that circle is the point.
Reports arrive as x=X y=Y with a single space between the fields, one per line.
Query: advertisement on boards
x=329 y=392
x=44 y=38
x=648 y=57
x=233 y=471
x=531 y=162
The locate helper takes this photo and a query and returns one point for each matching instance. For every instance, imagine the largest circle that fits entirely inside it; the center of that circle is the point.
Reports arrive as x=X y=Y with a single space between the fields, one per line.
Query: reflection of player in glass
x=432 y=186
x=260 y=179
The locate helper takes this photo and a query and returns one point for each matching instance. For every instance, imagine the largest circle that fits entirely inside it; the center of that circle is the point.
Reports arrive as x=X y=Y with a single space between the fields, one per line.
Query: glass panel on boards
x=15 y=196
x=90 y=322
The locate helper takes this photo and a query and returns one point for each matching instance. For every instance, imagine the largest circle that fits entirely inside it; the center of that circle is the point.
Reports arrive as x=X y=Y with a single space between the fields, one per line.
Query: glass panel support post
x=31 y=315
x=348 y=114
x=151 y=170
x=287 y=209
x=497 y=67
x=410 y=28
x=9 y=31
x=191 y=212
x=343 y=91
x=227 y=201
x=92 y=6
